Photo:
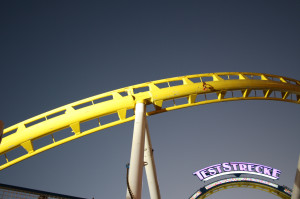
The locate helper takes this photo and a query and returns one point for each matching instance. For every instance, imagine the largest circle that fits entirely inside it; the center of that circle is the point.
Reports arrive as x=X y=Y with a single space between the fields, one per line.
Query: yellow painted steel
x=182 y=92
x=250 y=185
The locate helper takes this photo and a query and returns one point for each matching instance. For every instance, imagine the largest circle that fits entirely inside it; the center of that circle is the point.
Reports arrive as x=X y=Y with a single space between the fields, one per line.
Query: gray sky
x=57 y=52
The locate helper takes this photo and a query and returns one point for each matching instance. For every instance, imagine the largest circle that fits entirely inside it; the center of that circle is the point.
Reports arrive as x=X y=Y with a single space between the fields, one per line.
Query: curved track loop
x=165 y=95
x=280 y=191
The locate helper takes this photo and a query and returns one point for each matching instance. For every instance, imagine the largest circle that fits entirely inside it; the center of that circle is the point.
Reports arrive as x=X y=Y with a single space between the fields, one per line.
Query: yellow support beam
x=28 y=146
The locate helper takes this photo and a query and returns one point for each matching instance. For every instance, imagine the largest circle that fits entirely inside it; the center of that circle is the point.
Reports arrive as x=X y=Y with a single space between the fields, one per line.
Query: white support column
x=296 y=189
x=150 y=167
x=137 y=153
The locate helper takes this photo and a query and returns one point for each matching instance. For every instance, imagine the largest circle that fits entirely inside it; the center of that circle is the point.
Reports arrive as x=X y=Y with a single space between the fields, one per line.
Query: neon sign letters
x=237 y=168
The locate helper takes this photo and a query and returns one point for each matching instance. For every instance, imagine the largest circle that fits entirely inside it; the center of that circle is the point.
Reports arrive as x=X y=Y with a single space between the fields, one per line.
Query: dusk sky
x=57 y=52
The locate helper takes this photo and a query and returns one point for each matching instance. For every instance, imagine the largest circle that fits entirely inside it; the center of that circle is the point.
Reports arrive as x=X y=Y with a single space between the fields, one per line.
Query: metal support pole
x=150 y=166
x=137 y=153
x=296 y=188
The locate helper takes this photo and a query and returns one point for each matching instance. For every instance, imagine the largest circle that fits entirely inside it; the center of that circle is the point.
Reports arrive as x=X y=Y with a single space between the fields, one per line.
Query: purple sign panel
x=237 y=168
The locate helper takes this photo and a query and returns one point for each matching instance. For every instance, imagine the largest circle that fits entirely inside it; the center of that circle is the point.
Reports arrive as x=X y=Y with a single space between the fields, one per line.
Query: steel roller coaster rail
x=166 y=95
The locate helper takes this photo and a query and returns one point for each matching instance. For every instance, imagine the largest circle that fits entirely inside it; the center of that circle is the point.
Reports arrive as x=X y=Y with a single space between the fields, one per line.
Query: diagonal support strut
x=150 y=166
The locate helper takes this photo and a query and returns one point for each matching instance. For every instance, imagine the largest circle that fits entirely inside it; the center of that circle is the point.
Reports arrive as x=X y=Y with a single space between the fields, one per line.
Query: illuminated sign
x=288 y=191
x=234 y=183
x=240 y=180
x=198 y=193
x=237 y=168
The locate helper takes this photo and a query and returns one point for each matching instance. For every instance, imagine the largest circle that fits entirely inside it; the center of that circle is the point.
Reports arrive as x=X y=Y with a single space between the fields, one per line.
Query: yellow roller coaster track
x=166 y=95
